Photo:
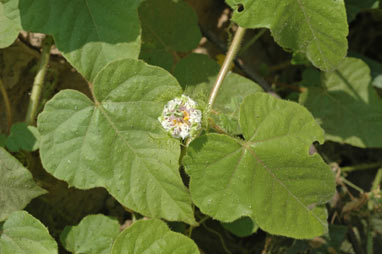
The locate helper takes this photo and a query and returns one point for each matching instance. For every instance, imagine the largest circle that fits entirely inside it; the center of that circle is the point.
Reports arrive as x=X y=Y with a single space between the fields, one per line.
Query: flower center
x=186 y=116
x=183 y=119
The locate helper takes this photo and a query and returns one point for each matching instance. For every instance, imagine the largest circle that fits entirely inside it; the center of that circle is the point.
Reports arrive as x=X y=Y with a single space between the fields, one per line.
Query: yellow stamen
x=186 y=116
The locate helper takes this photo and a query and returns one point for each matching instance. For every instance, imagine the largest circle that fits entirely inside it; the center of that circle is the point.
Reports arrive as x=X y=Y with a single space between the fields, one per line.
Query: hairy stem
x=7 y=104
x=39 y=81
x=232 y=51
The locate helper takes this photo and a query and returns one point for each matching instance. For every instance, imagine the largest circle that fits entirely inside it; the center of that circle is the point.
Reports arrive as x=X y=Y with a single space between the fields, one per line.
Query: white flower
x=181 y=118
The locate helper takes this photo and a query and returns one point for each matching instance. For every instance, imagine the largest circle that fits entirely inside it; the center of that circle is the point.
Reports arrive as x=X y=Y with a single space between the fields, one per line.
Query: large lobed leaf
x=168 y=27
x=317 y=28
x=152 y=237
x=22 y=233
x=116 y=140
x=17 y=187
x=89 y=33
x=346 y=105
x=94 y=235
x=269 y=176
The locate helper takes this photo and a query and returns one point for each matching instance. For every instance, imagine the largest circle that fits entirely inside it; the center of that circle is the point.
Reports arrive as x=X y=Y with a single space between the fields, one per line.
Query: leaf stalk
x=364 y=166
x=232 y=51
x=39 y=81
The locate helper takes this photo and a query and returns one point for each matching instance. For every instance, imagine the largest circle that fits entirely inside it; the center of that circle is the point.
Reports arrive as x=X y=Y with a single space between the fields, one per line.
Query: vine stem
x=232 y=51
x=39 y=81
x=346 y=181
x=7 y=104
x=362 y=166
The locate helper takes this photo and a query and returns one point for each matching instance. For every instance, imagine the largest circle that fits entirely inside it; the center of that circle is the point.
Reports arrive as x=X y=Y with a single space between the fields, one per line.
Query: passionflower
x=181 y=118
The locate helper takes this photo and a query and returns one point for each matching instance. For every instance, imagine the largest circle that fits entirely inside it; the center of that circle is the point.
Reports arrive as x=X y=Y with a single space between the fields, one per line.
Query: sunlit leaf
x=346 y=105
x=317 y=28
x=8 y=29
x=90 y=33
x=22 y=233
x=152 y=236
x=168 y=27
x=116 y=140
x=94 y=235
x=269 y=176
x=17 y=187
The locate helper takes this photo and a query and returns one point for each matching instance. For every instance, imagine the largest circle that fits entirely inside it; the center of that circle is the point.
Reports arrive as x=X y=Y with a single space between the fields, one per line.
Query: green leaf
x=23 y=137
x=197 y=74
x=241 y=227
x=152 y=236
x=3 y=140
x=311 y=77
x=9 y=30
x=94 y=235
x=90 y=34
x=375 y=68
x=346 y=105
x=17 y=187
x=353 y=7
x=317 y=28
x=22 y=233
x=269 y=176
x=227 y=105
x=168 y=27
x=117 y=141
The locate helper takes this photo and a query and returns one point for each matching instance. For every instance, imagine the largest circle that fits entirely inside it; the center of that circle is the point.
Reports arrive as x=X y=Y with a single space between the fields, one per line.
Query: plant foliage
x=255 y=162
x=282 y=191
x=102 y=34
x=347 y=106
x=22 y=233
x=317 y=28
x=17 y=187
x=116 y=140
x=94 y=235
